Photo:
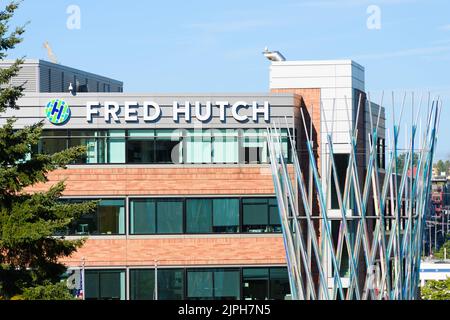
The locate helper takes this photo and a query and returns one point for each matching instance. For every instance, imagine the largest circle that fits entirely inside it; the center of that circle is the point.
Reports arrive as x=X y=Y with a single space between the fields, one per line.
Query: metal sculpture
x=378 y=244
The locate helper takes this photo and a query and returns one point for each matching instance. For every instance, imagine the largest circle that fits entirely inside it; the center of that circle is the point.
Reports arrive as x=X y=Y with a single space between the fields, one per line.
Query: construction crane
x=51 y=56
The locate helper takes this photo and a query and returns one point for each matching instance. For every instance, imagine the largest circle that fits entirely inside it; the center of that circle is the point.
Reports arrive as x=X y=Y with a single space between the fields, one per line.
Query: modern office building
x=187 y=208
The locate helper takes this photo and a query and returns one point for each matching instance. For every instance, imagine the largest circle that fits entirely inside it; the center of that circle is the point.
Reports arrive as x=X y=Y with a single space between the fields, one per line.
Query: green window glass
x=260 y=215
x=170 y=284
x=227 y=284
x=225 y=146
x=198 y=215
x=212 y=215
x=169 y=217
x=95 y=143
x=226 y=215
x=200 y=284
x=149 y=216
x=142 y=216
x=142 y=284
x=198 y=146
x=105 y=284
x=255 y=215
x=116 y=146
x=207 y=284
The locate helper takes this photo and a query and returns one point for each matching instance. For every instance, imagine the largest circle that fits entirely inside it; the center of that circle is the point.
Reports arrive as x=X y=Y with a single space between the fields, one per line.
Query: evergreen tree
x=29 y=251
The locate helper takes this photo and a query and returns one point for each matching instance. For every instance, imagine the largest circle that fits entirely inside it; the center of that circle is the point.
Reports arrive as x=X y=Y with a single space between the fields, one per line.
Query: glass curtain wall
x=164 y=146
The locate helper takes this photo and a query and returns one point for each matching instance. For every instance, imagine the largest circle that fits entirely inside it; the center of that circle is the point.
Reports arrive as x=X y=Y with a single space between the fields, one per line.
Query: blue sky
x=215 y=46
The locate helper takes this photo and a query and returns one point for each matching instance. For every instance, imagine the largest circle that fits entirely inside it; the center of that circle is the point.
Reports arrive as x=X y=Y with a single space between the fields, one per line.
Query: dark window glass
x=255 y=283
x=140 y=150
x=169 y=217
x=198 y=215
x=171 y=284
x=109 y=218
x=274 y=216
x=149 y=216
x=53 y=141
x=105 y=284
x=212 y=215
x=279 y=283
x=260 y=215
x=200 y=284
x=95 y=143
x=142 y=216
x=226 y=215
x=227 y=284
x=220 y=284
x=341 y=162
x=142 y=284
x=167 y=146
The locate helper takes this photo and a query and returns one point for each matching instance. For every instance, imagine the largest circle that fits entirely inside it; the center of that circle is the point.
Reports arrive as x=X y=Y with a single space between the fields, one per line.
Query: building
x=433 y=270
x=187 y=207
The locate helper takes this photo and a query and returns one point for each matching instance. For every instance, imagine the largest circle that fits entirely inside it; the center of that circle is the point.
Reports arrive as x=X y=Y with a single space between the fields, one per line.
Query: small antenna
x=51 y=56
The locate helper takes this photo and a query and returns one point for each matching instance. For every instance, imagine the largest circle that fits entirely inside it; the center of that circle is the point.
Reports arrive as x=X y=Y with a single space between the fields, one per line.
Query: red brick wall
x=86 y=181
x=181 y=251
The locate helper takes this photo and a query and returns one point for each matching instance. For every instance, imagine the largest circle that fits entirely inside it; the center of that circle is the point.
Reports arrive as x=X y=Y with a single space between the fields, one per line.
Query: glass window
x=142 y=284
x=220 y=284
x=170 y=284
x=225 y=146
x=198 y=146
x=168 y=146
x=105 y=285
x=116 y=146
x=53 y=141
x=260 y=215
x=169 y=217
x=255 y=283
x=274 y=216
x=341 y=162
x=198 y=215
x=200 y=284
x=227 y=284
x=255 y=215
x=141 y=146
x=212 y=215
x=109 y=218
x=226 y=215
x=279 y=283
x=149 y=216
x=255 y=146
x=142 y=216
x=95 y=143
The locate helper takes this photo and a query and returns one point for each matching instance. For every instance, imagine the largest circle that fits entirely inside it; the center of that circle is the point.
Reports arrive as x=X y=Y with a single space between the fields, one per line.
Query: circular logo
x=57 y=111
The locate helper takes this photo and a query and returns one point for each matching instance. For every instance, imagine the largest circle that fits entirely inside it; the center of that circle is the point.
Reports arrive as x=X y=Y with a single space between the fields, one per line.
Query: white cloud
x=445 y=27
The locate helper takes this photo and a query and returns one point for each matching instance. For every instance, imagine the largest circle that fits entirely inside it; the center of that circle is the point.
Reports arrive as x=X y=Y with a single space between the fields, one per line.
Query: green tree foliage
x=442 y=166
x=436 y=290
x=48 y=291
x=401 y=161
x=441 y=252
x=29 y=251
